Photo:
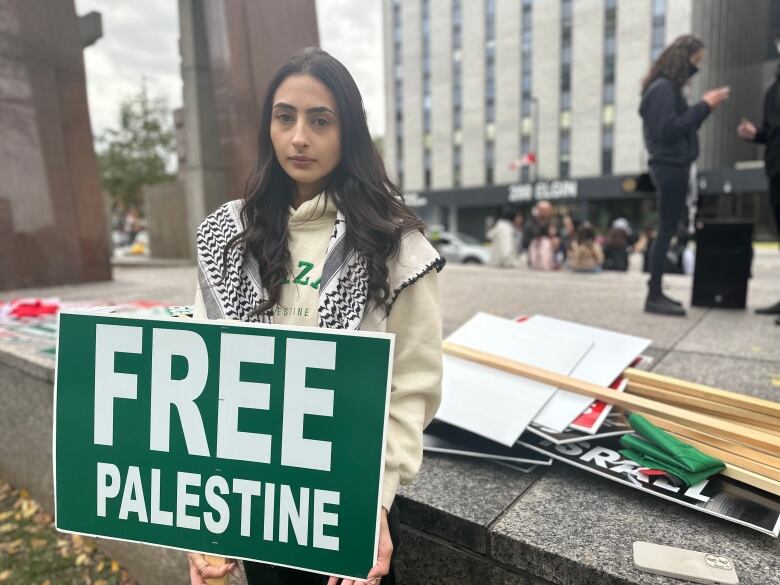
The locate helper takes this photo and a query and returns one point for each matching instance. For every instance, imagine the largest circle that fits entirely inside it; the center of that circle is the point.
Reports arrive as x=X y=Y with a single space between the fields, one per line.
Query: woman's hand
x=714 y=97
x=200 y=570
x=382 y=566
x=746 y=130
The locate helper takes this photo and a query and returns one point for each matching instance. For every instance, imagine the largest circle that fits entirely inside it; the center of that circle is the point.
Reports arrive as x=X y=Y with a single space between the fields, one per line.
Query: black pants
x=671 y=183
x=262 y=574
x=774 y=199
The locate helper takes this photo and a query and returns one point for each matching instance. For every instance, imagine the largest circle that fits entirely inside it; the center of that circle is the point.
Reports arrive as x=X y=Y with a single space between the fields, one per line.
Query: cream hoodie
x=415 y=320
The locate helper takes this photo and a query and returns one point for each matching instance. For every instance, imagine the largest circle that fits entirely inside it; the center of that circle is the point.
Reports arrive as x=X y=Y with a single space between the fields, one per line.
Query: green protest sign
x=242 y=440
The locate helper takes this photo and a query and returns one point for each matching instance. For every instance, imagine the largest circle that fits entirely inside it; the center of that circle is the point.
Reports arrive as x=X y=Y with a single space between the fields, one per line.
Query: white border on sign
x=217 y=322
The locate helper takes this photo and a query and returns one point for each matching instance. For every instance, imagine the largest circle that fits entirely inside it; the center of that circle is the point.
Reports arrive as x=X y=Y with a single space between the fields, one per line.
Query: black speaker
x=724 y=253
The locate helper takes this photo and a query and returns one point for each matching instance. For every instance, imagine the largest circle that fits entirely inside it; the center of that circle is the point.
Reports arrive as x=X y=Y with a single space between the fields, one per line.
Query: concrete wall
x=412 y=99
x=52 y=223
x=473 y=93
x=441 y=93
x=546 y=61
x=508 y=14
x=587 y=87
x=166 y=210
x=391 y=130
x=634 y=30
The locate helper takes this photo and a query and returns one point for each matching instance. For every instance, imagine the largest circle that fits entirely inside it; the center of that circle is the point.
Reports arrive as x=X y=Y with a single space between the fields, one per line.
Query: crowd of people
x=551 y=241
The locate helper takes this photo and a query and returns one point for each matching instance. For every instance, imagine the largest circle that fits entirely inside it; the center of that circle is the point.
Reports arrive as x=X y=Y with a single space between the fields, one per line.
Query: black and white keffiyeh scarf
x=344 y=284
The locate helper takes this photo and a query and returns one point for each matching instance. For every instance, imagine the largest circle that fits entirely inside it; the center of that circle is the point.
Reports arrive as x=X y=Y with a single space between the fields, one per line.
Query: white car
x=459 y=247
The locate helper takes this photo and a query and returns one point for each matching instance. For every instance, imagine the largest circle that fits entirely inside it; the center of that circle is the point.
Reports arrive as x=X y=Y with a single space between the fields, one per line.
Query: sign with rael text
x=259 y=442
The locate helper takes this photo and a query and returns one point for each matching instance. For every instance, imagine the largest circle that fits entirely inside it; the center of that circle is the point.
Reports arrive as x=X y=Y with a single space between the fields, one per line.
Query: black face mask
x=692 y=70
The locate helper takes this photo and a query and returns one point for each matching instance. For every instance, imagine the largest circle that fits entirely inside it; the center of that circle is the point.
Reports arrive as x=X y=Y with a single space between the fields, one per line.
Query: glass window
x=525 y=107
x=609 y=45
x=609 y=69
x=563 y=169
x=659 y=7
x=566 y=9
x=606 y=161
x=566 y=100
x=607 y=136
x=609 y=93
x=566 y=78
x=527 y=41
x=565 y=143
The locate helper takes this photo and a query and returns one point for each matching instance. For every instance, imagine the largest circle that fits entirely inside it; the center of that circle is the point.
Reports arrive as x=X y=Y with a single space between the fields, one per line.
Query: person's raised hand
x=382 y=566
x=746 y=130
x=714 y=97
x=200 y=570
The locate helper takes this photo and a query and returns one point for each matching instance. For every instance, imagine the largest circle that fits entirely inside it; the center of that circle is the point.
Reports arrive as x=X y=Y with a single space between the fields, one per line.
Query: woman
x=670 y=126
x=503 y=237
x=322 y=238
x=584 y=253
x=616 y=249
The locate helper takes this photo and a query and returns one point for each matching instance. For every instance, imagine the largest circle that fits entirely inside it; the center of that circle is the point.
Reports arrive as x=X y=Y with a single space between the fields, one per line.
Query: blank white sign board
x=609 y=355
x=492 y=403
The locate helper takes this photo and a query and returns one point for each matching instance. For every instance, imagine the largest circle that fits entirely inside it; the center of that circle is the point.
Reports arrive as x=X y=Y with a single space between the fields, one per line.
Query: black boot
x=770 y=310
x=660 y=305
x=671 y=300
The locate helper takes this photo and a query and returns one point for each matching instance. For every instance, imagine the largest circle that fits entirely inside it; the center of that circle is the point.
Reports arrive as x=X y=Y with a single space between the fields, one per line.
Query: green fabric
x=655 y=448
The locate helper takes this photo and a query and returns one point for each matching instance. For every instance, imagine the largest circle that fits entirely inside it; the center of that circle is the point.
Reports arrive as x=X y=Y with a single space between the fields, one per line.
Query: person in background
x=616 y=250
x=542 y=215
x=585 y=255
x=519 y=221
x=568 y=235
x=643 y=245
x=504 y=250
x=769 y=135
x=541 y=250
x=670 y=126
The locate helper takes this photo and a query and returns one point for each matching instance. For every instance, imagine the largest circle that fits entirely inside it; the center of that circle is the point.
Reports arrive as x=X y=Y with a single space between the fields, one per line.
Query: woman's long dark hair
x=373 y=206
x=675 y=62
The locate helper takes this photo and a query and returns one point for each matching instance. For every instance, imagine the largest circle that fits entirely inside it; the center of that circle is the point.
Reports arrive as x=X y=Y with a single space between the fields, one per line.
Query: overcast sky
x=140 y=38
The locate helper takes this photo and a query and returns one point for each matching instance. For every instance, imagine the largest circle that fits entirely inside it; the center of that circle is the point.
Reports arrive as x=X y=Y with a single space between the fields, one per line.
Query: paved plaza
x=733 y=349
x=467 y=520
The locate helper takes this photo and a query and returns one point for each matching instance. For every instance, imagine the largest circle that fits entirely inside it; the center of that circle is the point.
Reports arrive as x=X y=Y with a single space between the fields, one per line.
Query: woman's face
x=697 y=57
x=305 y=130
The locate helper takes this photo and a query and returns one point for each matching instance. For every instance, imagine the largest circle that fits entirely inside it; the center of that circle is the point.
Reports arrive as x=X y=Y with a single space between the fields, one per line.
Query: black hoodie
x=769 y=132
x=670 y=124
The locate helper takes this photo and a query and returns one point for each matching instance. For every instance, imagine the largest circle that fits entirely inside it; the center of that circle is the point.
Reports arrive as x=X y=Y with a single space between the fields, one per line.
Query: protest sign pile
x=550 y=386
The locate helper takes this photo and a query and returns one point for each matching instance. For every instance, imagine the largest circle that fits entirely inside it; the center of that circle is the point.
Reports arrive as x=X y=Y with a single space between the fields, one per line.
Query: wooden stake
x=715 y=441
x=749 y=417
x=767 y=407
x=736 y=432
x=730 y=458
x=754 y=479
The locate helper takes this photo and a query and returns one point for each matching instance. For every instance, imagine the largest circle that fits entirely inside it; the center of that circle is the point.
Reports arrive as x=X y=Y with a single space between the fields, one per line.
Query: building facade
x=473 y=86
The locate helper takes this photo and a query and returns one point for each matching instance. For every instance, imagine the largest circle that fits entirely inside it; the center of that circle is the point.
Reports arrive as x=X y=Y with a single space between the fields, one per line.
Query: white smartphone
x=680 y=563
